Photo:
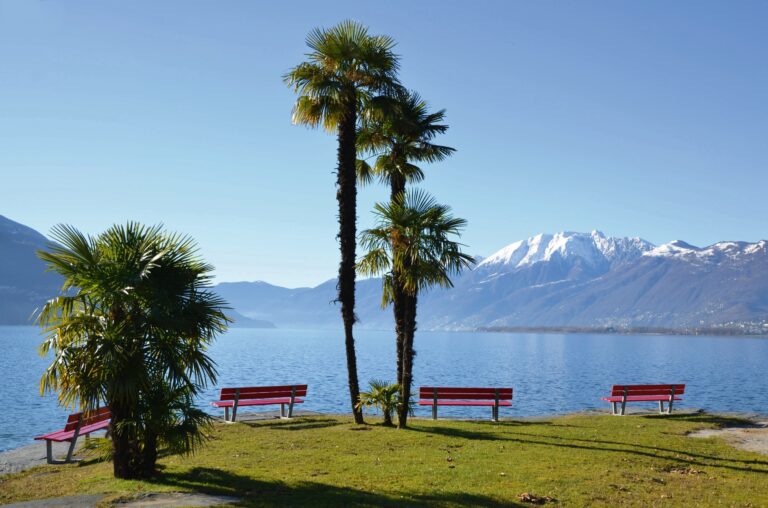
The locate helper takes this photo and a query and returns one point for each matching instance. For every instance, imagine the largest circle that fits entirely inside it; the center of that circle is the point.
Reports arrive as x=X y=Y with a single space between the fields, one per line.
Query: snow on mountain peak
x=681 y=250
x=593 y=248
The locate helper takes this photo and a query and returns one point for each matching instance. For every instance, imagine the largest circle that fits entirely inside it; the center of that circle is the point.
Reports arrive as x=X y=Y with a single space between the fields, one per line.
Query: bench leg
x=669 y=407
x=71 y=449
x=434 y=411
x=226 y=413
x=661 y=406
x=290 y=409
x=49 y=451
x=282 y=410
x=234 y=413
x=623 y=406
x=615 y=409
x=495 y=413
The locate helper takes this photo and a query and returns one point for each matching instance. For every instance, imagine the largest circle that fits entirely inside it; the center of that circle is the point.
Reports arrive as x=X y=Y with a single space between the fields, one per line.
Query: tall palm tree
x=130 y=330
x=345 y=71
x=399 y=134
x=411 y=245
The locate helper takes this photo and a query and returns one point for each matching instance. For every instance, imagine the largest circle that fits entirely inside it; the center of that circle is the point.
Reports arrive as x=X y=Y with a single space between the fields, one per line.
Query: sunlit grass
x=578 y=460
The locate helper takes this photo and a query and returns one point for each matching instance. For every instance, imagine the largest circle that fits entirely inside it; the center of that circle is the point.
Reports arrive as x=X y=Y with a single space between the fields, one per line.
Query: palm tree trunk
x=346 y=195
x=124 y=447
x=408 y=355
x=149 y=455
x=397 y=187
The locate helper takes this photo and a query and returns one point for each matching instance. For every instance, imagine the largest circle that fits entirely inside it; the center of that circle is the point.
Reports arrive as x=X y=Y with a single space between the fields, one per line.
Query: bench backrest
x=89 y=418
x=450 y=392
x=263 y=392
x=634 y=390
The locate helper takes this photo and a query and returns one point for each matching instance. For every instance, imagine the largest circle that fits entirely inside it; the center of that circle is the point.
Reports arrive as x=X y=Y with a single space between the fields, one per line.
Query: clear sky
x=641 y=119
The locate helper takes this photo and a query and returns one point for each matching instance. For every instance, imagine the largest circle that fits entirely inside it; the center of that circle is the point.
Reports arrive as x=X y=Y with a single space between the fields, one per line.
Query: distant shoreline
x=611 y=330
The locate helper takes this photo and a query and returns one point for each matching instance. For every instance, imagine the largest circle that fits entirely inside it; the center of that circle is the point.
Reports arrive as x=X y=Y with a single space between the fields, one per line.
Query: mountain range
x=556 y=280
x=550 y=280
x=25 y=285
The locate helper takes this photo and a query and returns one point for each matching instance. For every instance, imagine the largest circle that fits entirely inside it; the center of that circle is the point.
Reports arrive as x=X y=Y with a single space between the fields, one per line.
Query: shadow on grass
x=254 y=492
x=484 y=435
x=721 y=421
x=680 y=456
x=295 y=424
x=505 y=432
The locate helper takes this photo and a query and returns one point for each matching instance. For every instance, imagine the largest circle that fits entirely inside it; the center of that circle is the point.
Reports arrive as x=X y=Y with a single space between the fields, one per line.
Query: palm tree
x=344 y=73
x=130 y=330
x=398 y=135
x=411 y=245
x=382 y=395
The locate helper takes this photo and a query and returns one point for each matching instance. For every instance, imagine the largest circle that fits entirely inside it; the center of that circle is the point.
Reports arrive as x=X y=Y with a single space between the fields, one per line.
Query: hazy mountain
x=565 y=279
x=24 y=283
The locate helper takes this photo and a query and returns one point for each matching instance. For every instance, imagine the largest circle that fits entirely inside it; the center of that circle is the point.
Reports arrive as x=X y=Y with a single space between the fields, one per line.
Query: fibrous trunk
x=397 y=187
x=408 y=355
x=346 y=195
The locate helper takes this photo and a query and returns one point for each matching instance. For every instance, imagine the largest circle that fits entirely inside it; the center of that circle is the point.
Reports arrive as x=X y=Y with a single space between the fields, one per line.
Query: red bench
x=644 y=393
x=78 y=424
x=451 y=396
x=260 y=396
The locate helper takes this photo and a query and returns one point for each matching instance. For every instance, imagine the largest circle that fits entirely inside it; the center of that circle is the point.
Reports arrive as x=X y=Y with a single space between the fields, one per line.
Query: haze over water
x=550 y=373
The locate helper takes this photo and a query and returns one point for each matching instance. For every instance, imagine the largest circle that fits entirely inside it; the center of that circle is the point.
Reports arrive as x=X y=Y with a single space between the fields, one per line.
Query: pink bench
x=78 y=424
x=233 y=398
x=644 y=393
x=452 y=396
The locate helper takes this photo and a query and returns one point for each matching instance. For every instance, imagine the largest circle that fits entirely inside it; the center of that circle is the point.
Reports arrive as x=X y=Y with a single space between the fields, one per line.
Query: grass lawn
x=578 y=460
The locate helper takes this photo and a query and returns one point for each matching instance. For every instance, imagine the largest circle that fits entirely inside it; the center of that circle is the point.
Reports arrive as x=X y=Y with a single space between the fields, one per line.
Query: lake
x=551 y=374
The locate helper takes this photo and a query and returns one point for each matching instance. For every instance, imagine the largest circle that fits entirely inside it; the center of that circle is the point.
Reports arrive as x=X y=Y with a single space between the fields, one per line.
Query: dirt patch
x=175 y=500
x=752 y=438
x=86 y=501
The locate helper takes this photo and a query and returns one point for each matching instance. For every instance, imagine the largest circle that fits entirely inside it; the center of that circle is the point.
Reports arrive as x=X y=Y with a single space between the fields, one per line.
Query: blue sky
x=636 y=118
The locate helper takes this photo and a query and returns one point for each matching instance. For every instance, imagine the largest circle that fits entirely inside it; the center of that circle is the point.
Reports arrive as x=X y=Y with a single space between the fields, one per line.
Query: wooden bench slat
x=660 y=389
x=262 y=392
x=640 y=398
x=453 y=389
x=257 y=402
x=441 y=402
x=466 y=396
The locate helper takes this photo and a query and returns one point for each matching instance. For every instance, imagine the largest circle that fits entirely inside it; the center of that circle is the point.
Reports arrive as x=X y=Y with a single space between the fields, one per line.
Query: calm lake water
x=550 y=373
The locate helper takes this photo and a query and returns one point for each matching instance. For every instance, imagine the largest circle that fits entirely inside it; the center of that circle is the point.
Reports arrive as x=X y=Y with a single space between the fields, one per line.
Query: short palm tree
x=130 y=331
x=382 y=395
x=399 y=135
x=346 y=70
x=412 y=245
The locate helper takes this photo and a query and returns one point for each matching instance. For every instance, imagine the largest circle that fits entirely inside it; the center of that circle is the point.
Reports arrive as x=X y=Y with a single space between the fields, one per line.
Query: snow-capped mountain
x=594 y=249
x=561 y=279
x=712 y=254
x=566 y=279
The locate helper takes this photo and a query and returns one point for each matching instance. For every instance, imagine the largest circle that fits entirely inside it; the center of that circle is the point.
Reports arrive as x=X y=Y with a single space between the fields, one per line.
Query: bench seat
x=641 y=398
x=67 y=435
x=442 y=402
x=257 y=402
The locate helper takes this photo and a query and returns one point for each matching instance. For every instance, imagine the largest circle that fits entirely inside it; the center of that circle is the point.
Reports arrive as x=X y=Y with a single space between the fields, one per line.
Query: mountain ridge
x=565 y=279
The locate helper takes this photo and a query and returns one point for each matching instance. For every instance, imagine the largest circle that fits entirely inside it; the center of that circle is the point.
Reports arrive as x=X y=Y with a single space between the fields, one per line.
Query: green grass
x=578 y=460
